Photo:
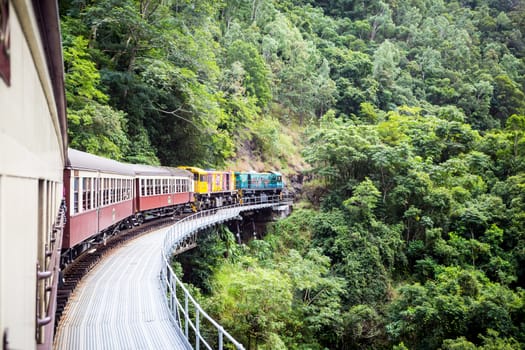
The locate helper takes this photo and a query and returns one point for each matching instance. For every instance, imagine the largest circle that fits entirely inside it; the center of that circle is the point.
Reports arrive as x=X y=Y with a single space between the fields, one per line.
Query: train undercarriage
x=69 y=255
x=215 y=200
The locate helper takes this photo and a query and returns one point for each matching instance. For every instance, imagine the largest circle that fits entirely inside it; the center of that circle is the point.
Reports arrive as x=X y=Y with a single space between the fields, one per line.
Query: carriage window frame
x=87 y=193
x=76 y=194
x=165 y=186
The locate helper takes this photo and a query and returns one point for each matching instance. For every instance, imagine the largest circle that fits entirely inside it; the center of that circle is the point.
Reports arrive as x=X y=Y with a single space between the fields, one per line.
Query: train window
x=101 y=192
x=92 y=202
x=121 y=190
x=165 y=188
x=142 y=187
x=116 y=189
x=86 y=193
x=112 y=191
x=107 y=188
x=96 y=186
x=75 y=194
x=148 y=187
x=106 y=191
x=157 y=186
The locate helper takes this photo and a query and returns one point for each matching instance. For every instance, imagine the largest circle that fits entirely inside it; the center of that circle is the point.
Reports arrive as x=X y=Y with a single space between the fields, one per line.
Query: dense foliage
x=413 y=231
x=418 y=243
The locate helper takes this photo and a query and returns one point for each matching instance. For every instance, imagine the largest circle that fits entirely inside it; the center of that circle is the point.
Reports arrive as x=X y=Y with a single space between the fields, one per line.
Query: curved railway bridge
x=134 y=300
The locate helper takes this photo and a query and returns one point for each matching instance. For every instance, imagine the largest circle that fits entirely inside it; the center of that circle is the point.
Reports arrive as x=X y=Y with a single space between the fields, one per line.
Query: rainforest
x=399 y=126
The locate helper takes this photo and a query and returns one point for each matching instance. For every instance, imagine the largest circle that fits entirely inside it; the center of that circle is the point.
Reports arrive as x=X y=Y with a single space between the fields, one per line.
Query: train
x=104 y=196
x=56 y=202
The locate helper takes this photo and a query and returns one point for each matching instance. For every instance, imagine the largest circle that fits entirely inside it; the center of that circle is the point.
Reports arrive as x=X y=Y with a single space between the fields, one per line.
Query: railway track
x=76 y=270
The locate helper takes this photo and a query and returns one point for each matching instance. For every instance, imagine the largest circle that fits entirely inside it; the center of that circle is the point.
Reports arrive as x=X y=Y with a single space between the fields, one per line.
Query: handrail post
x=187 y=315
x=220 y=338
x=173 y=297
x=197 y=329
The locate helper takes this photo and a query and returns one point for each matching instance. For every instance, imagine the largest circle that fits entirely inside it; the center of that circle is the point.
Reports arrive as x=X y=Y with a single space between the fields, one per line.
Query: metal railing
x=186 y=313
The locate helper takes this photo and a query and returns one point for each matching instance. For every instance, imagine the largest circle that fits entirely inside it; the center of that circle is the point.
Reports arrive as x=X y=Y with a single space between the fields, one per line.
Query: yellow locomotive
x=212 y=188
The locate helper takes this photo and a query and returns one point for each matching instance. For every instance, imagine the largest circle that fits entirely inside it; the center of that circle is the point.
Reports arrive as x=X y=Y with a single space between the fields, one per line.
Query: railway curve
x=133 y=299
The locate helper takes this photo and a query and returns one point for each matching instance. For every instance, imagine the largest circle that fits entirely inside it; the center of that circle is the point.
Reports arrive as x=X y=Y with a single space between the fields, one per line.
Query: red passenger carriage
x=99 y=195
x=162 y=191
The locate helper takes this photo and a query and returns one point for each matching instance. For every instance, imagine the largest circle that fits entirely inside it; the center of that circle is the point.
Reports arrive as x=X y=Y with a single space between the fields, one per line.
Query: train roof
x=85 y=161
x=200 y=171
x=149 y=170
x=259 y=172
x=180 y=172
